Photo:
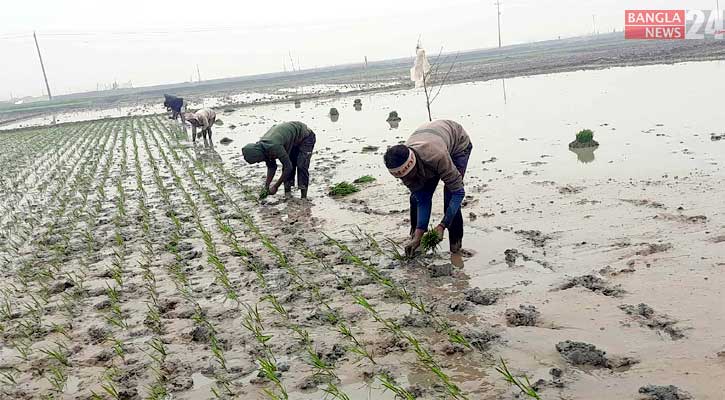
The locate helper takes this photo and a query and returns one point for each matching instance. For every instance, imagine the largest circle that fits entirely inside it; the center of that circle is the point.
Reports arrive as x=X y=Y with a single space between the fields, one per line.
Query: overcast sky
x=86 y=42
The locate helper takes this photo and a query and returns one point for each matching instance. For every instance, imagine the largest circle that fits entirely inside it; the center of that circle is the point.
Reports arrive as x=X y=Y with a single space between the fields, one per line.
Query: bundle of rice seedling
x=431 y=240
x=343 y=189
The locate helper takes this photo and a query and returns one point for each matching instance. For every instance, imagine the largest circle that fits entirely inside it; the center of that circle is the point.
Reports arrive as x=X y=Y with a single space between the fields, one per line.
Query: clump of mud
x=585 y=354
x=685 y=219
x=393 y=116
x=644 y=203
x=569 y=189
x=653 y=248
x=580 y=353
x=647 y=316
x=481 y=339
x=485 y=297
x=525 y=315
x=593 y=283
x=511 y=255
x=416 y=320
x=440 y=270
x=671 y=392
x=536 y=237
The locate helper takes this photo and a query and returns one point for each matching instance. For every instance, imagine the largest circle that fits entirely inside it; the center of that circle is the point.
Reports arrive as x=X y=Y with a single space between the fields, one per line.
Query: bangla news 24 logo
x=673 y=24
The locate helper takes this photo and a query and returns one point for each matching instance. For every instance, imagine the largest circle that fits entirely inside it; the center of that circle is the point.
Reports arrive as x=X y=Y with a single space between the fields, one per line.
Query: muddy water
x=654 y=174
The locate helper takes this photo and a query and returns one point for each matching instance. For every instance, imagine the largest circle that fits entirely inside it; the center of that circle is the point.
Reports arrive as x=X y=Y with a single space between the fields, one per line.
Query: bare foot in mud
x=457 y=260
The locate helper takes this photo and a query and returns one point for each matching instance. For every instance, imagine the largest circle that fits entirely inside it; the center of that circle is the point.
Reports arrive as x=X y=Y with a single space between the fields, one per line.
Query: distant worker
x=176 y=105
x=292 y=143
x=436 y=151
x=203 y=119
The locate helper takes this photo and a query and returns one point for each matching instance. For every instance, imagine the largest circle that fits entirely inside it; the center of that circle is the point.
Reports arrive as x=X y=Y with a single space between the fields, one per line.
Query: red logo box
x=654 y=24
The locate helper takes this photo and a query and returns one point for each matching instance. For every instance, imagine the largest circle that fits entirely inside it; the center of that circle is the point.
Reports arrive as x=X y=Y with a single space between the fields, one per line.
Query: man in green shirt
x=292 y=144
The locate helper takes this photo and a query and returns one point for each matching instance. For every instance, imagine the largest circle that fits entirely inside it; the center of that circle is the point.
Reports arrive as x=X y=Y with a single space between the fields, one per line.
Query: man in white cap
x=436 y=151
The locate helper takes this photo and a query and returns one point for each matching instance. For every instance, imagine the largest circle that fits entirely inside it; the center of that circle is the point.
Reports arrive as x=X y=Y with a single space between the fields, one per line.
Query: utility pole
x=50 y=97
x=198 y=74
x=292 y=61
x=498 y=16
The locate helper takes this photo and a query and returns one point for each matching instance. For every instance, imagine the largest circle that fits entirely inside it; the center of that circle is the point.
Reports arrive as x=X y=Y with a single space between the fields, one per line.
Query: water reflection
x=394 y=124
x=206 y=153
x=357 y=106
x=584 y=155
x=503 y=85
x=334 y=117
x=298 y=104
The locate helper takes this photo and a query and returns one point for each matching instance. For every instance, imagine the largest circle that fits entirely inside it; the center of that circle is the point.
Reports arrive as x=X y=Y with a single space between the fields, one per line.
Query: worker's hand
x=440 y=229
x=273 y=189
x=414 y=243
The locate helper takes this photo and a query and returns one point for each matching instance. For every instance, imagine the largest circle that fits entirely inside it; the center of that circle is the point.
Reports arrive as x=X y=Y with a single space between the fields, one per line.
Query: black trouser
x=455 y=230
x=300 y=156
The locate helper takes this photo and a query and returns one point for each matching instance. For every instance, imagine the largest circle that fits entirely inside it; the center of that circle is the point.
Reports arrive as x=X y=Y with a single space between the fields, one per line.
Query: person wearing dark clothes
x=173 y=104
x=292 y=143
x=436 y=151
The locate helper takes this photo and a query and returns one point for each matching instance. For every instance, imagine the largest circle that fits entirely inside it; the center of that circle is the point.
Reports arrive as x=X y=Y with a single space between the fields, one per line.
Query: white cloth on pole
x=420 y=68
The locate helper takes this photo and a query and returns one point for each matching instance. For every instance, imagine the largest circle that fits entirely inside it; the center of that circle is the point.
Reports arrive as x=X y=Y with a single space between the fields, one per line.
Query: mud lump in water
x=580 y=353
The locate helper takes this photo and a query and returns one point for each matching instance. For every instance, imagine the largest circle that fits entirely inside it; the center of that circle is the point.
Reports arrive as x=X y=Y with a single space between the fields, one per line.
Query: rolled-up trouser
x=300 y=156
x=455 y=230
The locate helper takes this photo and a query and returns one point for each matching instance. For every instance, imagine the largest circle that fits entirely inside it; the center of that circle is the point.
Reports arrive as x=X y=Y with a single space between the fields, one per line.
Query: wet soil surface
x=142 y=262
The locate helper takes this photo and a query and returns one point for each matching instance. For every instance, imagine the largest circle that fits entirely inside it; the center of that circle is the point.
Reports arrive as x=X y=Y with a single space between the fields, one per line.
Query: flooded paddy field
x=139 y=265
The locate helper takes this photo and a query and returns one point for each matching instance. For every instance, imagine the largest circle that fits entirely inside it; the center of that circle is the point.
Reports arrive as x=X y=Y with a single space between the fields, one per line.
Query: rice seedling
x=364 y=179
x=9 y=377
x=343 y=189
x=390 y=384
x=59 y=354
x=524 y=385
x=431 y=241
x=585 y=136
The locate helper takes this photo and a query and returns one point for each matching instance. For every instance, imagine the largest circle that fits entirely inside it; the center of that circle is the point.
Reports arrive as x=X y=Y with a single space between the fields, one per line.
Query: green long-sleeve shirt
x=279 y=140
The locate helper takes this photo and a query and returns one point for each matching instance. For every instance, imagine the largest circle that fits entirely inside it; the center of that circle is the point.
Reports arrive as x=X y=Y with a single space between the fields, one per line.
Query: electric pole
x=498 y=16
x=47 y=87
x=198 y=74
x=292 y=62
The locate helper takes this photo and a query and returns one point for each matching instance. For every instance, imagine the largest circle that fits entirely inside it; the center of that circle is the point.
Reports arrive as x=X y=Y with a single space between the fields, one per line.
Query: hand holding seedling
x=440 y=229
x=414 y=243
x=429 y=240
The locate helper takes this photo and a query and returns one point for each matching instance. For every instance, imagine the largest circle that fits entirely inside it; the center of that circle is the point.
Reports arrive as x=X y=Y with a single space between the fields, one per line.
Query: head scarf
x=253 y=153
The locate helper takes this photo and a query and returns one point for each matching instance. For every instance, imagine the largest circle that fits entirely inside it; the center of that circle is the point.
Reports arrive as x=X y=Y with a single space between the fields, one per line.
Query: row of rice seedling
x=222 y=387
x=114 y=316
x=156 y=348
